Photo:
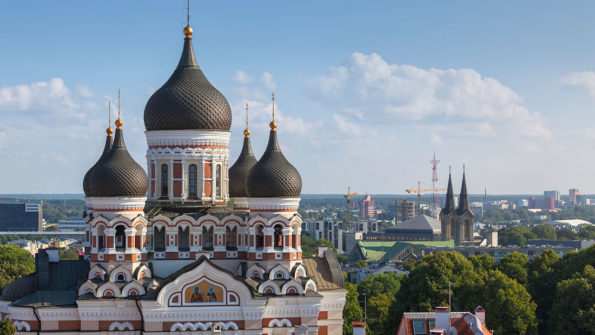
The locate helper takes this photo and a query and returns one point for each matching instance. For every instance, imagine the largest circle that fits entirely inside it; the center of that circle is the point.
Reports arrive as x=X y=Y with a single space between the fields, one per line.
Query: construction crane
x=419 y=192
x=348 y=198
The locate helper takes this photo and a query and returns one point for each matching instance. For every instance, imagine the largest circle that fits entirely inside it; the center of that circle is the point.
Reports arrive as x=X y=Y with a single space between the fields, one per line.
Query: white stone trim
x=274 y=204
x=115 y=203
x=121 y=326
x=22 y=326
x=187 y=137
x=276 y=323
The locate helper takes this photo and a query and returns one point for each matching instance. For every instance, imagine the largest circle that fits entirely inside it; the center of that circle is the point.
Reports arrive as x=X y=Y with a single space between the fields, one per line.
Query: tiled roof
x=319 y=270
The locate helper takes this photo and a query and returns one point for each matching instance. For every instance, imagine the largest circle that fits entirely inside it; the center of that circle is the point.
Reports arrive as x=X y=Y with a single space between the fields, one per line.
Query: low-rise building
x=419 y=228
x=444 y=322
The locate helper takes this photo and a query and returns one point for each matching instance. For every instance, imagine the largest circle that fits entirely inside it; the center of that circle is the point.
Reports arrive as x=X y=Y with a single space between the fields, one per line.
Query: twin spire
x=449 y=205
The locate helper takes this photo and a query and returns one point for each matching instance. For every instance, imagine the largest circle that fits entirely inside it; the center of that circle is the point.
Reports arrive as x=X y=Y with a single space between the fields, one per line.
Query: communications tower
x=435 y=202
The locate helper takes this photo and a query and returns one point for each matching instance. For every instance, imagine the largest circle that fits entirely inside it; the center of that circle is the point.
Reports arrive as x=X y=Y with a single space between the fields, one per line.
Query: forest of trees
x=519 y=234
x=549 y=295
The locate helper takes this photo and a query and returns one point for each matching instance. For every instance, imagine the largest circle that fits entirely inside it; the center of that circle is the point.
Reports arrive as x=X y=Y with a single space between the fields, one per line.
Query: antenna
x=435 y=201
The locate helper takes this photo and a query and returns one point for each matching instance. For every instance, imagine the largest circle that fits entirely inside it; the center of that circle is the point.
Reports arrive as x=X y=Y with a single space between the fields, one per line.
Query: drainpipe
x=142 y=319
x=38 y=319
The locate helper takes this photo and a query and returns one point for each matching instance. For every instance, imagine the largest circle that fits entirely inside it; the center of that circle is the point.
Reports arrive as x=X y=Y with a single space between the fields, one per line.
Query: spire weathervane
x=247 y=131
x=273 y=123
x=109 y=129
x=188 y=30
x=119 y=122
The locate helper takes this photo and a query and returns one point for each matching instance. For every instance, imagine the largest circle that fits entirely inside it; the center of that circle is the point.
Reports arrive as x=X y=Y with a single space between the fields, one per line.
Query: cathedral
x=190 y=246
x=457 y=222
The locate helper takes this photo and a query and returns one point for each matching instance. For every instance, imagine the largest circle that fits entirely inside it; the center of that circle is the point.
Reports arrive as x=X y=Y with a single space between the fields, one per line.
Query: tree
x=352 y=312
x=386 y=283
x=509 y=307
x=6 y=327
x=14 y=263
x=587 y=233
x=545 y=232
x=541 y=284
x=483 y=262
x=377 y=313
x=361 y=263
x=516 y=235
x=68 y=254
x=514 y=265
x=573 y=309
x=567 y=234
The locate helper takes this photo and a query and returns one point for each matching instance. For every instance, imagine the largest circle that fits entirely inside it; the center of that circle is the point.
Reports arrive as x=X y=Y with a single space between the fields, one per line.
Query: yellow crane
x=419 y=192
x=348 y=198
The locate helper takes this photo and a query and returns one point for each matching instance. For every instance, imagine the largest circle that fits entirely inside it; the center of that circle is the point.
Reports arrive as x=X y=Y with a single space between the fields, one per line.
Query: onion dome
x=106 y=149
x=118 y=175
x=187 y=100
x=238 y=172
x=19 y=288
x=273 y=176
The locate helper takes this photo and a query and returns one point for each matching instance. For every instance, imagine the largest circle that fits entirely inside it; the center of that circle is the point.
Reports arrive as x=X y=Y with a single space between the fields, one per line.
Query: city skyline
x=365 y=93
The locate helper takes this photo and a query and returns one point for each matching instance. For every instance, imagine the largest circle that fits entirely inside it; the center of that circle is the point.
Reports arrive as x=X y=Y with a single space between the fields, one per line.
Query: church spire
x=449 y=204
x=464 y=198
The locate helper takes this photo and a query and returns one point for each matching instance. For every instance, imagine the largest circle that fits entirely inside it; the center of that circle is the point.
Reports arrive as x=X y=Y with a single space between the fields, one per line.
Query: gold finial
x=188 y=30
x=273 y=124
x=119 y=122
x=109 y=129
x=247 y=131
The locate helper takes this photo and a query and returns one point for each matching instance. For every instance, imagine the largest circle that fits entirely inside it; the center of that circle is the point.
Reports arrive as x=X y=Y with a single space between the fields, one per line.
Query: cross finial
x=463 y=168
x=247 y=131
x=188 y=14
x=119 y=122
x=109 y=130
x=449 y=169
x=273 y=123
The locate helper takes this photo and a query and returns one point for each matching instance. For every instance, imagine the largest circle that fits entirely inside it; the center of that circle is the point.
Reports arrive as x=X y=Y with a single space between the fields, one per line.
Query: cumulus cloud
x=581 y=80
x=366 y=85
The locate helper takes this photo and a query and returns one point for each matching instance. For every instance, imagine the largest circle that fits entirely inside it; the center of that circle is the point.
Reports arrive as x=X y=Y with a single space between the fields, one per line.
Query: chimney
x=42 y=269
x=480 y=313
x=321 y=249
x=359 y=328
x=442 y=318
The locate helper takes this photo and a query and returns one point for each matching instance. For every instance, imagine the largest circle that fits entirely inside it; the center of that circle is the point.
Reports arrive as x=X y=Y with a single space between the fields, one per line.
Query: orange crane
x=419 y=191
x=348 y=198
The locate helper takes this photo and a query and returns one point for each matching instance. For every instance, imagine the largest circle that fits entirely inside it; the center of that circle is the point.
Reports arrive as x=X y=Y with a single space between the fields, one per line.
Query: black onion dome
x=238 y=172
x=19 y=288
x=89 y=174
x=187 y=100
x=118 y=175
x=273 y=176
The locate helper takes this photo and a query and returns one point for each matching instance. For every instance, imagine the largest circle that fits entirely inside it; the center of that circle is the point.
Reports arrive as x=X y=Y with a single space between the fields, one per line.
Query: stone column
x=130 y=234
x=110 y=237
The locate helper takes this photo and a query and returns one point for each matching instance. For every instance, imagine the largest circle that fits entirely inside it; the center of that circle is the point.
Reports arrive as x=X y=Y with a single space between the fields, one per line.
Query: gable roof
x=420 y=222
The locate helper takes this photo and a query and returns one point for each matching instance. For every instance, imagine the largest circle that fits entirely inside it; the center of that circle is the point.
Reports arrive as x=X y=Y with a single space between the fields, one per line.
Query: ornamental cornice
x=58 y=314
x=207 y=315
x=113 y=203
x=274 y=204
x=185 y=138
x=105 y=315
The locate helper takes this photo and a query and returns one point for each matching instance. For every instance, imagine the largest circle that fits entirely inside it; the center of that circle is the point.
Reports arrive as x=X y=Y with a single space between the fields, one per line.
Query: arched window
x=100 y=238
x=294 y=236
x=259 y=237
x=207 y=238
x=159 y=239
x=218 y=181
x=164 y=181
x=183 y=239
x=192 y=181
x=231 y=238
x=278 y=237
x=120 y=238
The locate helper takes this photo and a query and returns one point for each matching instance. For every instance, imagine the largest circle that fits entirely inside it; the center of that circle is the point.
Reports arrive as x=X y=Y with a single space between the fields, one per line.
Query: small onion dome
x=187 y=100
x=273 y=176
x=238 y=172
x=106 y=149
x=118 y=175
x=19 y=288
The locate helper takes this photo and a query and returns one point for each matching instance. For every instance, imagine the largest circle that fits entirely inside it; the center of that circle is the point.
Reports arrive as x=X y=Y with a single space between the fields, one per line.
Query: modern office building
x=21 y=216
x=404 y=210
x=366 y=207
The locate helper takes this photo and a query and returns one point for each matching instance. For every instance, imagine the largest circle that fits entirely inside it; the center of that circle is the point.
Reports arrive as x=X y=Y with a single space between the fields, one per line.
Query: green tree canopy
x=352 y=312
x=514 y=265
x=14 y=263
x=545 y=232
x=6 y=327
x=573 y=309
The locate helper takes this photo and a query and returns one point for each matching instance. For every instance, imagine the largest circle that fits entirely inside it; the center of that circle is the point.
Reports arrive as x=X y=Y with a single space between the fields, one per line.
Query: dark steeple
x=449 y=204
x=238 y=172
x=464 y=198
x=106 y=150
x=187 y=100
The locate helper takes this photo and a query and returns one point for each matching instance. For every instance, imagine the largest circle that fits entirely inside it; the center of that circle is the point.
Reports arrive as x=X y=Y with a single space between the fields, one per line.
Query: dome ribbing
x=238 y=172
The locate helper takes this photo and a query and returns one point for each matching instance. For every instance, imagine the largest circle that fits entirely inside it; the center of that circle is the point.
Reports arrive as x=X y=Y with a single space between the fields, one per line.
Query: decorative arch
x=133 y=289
x=119 y=274
x=99 y=219
x=257 y=220
x=208 y=220
x=279 y=272
x=142 y=271
x=86 y=287
x=311 y=286
x=161 y=221
x=121 y=220
x=184 y=221
x=269 y=287
x=276 y=323
x=253 y=269
x=292 y=287
x=22 y=326
x=121 y=326
x=97 y=272
x=108 y=290
x=278 y=219
x=299 y=271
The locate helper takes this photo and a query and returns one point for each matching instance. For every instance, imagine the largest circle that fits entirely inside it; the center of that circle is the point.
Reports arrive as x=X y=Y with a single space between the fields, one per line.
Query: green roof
x=374 y=251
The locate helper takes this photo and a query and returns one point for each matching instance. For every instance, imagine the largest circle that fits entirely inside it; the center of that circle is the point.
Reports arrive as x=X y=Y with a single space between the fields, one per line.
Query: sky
x=366 y=92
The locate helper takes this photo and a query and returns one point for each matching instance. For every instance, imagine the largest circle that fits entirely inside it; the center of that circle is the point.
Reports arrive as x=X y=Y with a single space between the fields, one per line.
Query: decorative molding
x=274 y=204
x=115 y=203
x=187 y=138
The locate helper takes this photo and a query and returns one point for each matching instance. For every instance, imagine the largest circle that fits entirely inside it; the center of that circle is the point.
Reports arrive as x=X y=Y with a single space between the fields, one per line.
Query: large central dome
x=187 y=100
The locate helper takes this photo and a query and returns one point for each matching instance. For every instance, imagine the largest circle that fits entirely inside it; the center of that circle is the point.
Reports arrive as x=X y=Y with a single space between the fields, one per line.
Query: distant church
x=195 y=246
x=457 y=223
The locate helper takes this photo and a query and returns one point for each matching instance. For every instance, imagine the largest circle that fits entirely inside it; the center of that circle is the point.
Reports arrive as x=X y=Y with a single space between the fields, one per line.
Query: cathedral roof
x=118 y=175
x=238 y=172
x=19 y=288
x=187 y=100
x=89 y=174
x=273 y=176
x=449 y=204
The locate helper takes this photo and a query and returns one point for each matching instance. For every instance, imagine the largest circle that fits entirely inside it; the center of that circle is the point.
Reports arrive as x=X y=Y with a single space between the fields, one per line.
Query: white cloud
x=365 y=84
x=581 y=80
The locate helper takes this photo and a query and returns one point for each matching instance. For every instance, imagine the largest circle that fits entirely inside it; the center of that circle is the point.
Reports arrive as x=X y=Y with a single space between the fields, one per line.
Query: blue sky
x=366 y=91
